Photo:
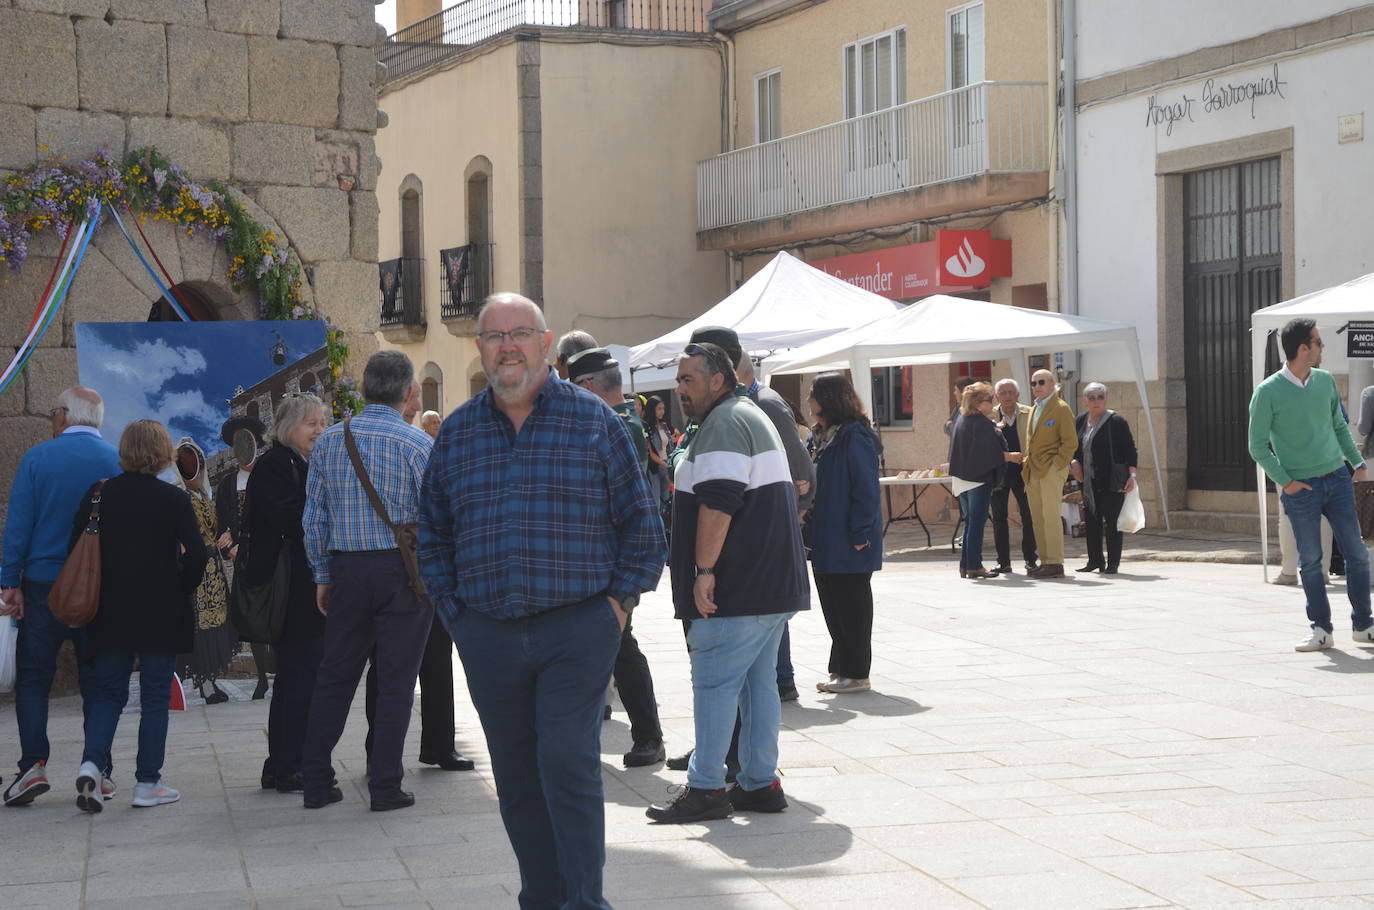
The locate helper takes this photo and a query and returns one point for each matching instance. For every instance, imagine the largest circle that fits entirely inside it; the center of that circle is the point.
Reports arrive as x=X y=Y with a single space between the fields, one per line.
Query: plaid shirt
x=516 y=524
x=338 y=514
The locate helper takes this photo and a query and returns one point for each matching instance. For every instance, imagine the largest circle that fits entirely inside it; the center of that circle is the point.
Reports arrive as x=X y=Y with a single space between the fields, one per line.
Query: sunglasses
x=1040 y=382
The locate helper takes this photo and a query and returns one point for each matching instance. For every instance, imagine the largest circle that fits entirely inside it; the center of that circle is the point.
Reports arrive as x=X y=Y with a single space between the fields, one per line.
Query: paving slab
x=1144 y=740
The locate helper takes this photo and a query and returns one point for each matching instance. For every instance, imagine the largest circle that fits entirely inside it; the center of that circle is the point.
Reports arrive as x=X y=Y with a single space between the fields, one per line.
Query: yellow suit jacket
x=1050 y=446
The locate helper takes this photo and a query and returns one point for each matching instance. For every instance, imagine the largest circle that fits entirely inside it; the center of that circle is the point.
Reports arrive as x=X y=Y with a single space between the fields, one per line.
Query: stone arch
x=432 y=387
x=411 y=193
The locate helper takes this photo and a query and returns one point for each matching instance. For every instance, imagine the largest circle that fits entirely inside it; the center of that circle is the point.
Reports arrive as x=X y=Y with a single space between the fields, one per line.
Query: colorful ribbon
x=170 y=297
x=56 y=294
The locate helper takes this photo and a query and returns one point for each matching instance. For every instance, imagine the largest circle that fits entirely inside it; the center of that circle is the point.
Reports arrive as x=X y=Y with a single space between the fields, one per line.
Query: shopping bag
x=9 y=642
x=1132 y=517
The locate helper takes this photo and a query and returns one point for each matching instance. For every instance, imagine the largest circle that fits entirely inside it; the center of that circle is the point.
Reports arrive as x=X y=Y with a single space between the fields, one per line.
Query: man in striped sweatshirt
x=738 y=575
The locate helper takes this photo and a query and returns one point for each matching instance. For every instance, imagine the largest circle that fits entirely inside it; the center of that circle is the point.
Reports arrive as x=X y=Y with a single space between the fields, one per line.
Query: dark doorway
x=198 y=306
x=1233 y=265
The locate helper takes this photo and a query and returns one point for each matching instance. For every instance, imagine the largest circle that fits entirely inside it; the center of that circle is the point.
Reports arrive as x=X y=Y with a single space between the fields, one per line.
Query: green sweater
x=1299 y=433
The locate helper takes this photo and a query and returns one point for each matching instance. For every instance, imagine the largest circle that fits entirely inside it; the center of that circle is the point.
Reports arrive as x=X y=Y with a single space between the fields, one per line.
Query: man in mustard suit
x=1014 y=418
x=1049 y=448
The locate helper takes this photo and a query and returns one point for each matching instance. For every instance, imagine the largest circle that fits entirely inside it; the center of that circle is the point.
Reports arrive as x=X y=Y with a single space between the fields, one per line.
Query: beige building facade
x=561 y=159
x=865 y=129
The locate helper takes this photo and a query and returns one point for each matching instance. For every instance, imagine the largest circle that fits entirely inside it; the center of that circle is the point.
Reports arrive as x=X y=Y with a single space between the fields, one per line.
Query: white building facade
x=1222 y=166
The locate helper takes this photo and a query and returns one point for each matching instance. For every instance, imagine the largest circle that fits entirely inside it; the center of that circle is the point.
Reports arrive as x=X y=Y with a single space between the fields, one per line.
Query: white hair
x=83 y=406
x=291 y=413
x=1095 y=387
x=428 y=414
x=1001 y=383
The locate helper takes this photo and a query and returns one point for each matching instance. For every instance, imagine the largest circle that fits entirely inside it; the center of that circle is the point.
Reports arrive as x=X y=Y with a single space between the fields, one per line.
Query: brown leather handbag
x=1364 y=509
x=407 y=535
x=75 y=596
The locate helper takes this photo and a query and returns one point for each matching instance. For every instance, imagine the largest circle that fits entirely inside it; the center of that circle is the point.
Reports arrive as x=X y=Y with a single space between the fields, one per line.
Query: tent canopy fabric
x=944 y=329
x=786 y=304
x=1334 y=305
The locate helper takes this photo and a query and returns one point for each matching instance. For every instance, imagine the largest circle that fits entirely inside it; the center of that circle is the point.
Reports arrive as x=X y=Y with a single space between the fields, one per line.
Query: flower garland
x=54 y=191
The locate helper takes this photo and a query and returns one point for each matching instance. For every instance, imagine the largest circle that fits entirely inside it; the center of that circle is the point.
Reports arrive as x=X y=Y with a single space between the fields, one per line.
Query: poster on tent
x=193 y=376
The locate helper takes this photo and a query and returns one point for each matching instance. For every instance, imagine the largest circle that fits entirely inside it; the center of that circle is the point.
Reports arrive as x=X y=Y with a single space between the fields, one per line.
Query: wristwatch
x=702 y=571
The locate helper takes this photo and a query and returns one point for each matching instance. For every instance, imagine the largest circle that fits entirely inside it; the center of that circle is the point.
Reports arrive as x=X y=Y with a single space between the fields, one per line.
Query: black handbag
x=258 y=612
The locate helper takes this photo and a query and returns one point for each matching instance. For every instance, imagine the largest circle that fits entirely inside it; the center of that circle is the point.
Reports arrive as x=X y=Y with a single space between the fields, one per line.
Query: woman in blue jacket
x=845 y=528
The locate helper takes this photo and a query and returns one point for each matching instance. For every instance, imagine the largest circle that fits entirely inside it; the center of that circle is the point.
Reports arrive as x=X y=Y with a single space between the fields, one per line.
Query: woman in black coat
x=977 y=460
x=1105 y=465
x=274 y=507
x=152 y=559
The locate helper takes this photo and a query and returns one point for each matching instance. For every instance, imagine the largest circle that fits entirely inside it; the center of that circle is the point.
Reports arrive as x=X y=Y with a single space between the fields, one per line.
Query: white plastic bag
x=1132 y=517
x=9 y=641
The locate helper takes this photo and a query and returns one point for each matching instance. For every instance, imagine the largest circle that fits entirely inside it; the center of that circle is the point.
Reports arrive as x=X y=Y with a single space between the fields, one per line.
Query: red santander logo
x=963 y=258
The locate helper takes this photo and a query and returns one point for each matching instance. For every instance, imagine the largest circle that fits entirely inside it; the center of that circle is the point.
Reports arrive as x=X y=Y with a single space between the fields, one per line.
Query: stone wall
x=275 y=97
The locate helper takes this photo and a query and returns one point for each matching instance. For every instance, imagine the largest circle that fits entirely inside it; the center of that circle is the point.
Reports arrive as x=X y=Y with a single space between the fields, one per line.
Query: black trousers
x=370 y=607
x=298 y=661
x=847 y=602
x=636 y=687
x=436 y=693
x=1001 y=534
x=1103 y=513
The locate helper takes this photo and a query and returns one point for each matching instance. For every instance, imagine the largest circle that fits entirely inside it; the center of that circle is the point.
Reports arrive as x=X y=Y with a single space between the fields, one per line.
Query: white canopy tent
x=1330 y=308
x=785 y=305
x=944 y=329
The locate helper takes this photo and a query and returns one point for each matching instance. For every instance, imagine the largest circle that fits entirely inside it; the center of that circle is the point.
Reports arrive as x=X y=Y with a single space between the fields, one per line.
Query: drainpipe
x=1068 y=301
x=728 y=133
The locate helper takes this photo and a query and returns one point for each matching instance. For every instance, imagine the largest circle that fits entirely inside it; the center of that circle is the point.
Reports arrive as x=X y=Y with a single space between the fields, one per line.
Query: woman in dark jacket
x=977 y=458
x=152 y=559
x=1105 y=465
x=845 y=528
x=274 y=507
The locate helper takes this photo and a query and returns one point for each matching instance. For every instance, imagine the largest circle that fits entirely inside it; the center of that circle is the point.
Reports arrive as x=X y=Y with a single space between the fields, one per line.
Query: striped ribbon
x=168 y=295
x=57 y=293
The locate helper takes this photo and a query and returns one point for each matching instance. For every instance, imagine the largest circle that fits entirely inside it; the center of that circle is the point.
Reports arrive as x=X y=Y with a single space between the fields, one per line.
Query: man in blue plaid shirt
x=361 y=582
x=536 y=523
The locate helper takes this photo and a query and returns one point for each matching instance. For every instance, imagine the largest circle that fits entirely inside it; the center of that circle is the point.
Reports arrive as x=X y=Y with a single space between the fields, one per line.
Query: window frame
x=949 y=43
x=898 y=75
x=776 y=102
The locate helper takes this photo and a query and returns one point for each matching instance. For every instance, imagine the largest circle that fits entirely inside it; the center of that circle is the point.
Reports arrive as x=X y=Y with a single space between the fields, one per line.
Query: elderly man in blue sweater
x=52 y=478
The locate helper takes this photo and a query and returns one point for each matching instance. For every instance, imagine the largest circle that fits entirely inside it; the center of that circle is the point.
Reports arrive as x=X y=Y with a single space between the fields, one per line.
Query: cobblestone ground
x=1145 y=740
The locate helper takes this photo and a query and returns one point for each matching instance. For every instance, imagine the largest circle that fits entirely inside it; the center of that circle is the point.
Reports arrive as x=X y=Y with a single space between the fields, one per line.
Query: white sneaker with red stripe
x=157 y=794
x=28 y=786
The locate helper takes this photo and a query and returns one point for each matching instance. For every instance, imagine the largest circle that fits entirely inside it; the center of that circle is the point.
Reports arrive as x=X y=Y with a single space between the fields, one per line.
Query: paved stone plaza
x=1149 y=740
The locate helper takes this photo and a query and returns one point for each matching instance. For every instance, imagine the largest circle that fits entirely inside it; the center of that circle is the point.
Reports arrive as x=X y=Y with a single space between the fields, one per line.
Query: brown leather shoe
x=976 y=573
x=1051 y=570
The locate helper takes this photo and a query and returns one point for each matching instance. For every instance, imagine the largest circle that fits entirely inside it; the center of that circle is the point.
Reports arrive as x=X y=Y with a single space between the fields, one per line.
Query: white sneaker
x=1284 y=579
x=845 y=684
x=1319 y=641
x=157 y=794
x=1363 y=636
x=28 y=786
x=107 y=788
x=88 y=798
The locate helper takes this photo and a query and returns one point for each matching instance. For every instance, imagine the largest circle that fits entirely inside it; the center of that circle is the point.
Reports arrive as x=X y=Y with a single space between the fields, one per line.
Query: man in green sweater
x=1298 y=434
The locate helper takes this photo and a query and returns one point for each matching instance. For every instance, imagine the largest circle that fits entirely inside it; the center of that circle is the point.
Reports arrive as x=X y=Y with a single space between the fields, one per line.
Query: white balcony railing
x=990 y=127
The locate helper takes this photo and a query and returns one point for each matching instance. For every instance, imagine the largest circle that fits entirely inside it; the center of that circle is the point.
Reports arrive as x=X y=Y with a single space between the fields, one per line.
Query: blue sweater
x=53 y=477
x=847 y=511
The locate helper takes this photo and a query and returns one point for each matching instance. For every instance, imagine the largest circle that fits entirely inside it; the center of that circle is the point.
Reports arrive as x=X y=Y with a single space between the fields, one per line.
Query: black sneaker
x=645 y=752
x=788 y=693
x=332 y=795
x=1003 y=568
x=679 y=762
x=692 y=805
x=764 y=799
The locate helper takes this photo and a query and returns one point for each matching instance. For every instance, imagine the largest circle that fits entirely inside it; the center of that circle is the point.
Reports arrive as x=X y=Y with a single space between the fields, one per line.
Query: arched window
x=432 y=388
x=478 y=180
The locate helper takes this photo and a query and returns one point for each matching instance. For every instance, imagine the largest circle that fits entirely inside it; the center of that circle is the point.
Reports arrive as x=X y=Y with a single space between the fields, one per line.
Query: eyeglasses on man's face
x=1040 y=382
x=1096 y=397
x=55 y=411
x=493 y=337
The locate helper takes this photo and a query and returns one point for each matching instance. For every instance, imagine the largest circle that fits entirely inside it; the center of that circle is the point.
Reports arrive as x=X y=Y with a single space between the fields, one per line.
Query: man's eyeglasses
x=494 y=336
x=1096 y=397
x=55 y=411
x=1040 y=382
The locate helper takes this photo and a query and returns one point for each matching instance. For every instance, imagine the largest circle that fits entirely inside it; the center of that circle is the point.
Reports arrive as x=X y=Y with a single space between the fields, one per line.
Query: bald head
x=80 y=407
x=1042 y=384
x=506 y=302
x=430 y=421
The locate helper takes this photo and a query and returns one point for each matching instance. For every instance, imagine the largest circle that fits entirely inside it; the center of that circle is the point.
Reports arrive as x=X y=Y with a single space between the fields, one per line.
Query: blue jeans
x=110 y=674
x=786 y=675
x=539 y=684
x=734 y=668
x=1334 y=497
x=974 y=505
x=40 y=638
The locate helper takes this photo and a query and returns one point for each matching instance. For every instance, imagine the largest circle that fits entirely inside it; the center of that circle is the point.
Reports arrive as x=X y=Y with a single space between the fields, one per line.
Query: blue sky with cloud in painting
x=182 y=373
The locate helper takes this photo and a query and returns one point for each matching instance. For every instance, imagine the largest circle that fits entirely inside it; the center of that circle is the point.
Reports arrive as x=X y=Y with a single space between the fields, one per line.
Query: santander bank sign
x=953 y=261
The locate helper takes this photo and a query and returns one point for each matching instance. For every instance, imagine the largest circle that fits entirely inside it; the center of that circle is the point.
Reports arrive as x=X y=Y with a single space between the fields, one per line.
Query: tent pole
x=1150 y=426
x=1258 y=342
x=862 y=378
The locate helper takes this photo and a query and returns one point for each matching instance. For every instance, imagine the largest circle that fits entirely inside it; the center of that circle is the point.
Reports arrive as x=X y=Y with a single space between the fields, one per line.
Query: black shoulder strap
x=356 y=457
